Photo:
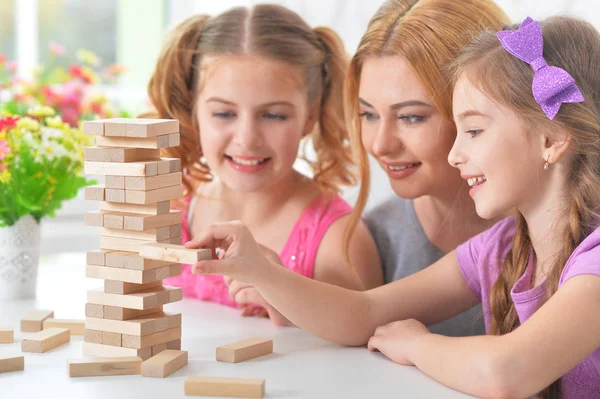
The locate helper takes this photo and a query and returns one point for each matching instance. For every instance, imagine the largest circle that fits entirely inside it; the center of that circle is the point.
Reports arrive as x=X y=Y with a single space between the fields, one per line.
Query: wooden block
x=174 y=253
x=174 y=344
x=33 y=322
x=151 y=127
x=105 y=366
x=160 y=208
x=244 y=350
x=224 y=387
x=11 y=363
x=7 y=336
x=93 y=310
x=93 y=127
x=114 y=195
x=176 y=241
x=97 y=257
x=162 y=141
x=75 y=326
x=92 y=349
x=110 y=338
x=147 y=222
x=94 y=218
x=160 y=234
x=115 y=127
x=164 y=363
x=119 y=313
x=161 y=337
x=46 y=340
x=175 y=230
x=117 y=182
x=141 y=326
x=114 y=220
x=94 y=193
x=132 y=260
x=169 y=165
x=153 y=182
x=133 y=276
x=122 y=288
x=124 y=244
x=148 y=168
x=143 y=300
x=120 y=154
x=93 y=336
x=156 y=349
x=153 y=196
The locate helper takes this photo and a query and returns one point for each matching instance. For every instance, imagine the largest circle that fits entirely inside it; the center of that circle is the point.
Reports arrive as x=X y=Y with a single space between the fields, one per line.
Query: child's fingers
x=373 y=344
x=219 y=235
x=222 y=267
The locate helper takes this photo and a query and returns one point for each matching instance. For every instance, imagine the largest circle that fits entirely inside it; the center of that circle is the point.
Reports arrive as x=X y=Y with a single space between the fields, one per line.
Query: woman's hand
x=240 y=256
x=397 y=340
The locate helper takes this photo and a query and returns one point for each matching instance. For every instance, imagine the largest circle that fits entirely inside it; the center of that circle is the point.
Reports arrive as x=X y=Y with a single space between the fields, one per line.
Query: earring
x=547 y=164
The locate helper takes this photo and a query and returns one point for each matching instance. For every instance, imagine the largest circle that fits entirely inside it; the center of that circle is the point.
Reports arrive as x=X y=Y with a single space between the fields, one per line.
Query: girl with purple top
x=527 y=109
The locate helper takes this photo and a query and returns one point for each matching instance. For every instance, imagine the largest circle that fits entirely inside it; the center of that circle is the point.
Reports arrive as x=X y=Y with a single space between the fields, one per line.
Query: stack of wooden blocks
x=126 y=317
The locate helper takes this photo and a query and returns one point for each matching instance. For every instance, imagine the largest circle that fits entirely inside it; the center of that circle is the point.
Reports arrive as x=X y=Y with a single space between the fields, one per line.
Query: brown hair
x=267 y=30
x=429 y=34
x=573 y=45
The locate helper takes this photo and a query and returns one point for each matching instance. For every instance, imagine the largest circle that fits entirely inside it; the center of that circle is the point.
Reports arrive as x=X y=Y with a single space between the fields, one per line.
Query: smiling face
x=401 y=127
x=501 y=162
x=252 y=113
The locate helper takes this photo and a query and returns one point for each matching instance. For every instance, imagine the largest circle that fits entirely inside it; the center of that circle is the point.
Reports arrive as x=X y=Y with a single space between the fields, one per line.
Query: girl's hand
x=240 y=256
x=398 y=340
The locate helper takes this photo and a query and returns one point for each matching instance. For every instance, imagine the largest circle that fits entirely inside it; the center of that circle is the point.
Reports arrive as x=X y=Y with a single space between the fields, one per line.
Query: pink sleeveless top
x=298 y=253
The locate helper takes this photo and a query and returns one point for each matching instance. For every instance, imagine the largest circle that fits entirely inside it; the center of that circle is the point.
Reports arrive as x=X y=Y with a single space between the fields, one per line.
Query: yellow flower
x=38 y=175
x=56 y=122
x=41 y=111
x=4 y=176
x=28 y=124
x=88 y=57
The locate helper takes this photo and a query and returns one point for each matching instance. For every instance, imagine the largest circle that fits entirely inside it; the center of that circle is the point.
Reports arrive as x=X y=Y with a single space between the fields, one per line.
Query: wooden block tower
x=126 y=317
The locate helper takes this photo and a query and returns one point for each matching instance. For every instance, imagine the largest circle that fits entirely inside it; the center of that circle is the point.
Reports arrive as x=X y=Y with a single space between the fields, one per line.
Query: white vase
x=19 y=259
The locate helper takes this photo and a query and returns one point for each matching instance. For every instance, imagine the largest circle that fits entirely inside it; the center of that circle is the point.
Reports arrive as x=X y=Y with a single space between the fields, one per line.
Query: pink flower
x=4 y=149
x=3 y=166
x=12 y=66
x=2 y=59
x=55 y=48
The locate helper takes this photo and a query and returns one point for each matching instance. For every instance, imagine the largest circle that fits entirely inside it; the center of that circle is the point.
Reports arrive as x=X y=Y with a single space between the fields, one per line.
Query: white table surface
x=301 y=366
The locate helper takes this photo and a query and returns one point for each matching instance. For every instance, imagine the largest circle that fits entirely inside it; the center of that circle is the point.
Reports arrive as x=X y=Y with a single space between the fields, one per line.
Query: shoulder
x=585 y=259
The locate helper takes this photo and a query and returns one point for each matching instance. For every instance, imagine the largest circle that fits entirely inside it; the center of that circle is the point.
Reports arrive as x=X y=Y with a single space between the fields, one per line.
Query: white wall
x=349 y=18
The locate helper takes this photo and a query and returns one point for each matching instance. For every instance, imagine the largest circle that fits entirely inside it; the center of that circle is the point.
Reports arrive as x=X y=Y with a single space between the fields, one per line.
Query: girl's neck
x=449 y=220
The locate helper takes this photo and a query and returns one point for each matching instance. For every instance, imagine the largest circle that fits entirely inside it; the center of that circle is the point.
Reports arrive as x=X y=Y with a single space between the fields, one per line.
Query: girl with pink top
x=527 y=108
x=248 y=86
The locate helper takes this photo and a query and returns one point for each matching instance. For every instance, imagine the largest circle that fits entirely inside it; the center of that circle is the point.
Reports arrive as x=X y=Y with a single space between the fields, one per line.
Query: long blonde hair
x=267 y=30
x=573 y=45
x=429 y=34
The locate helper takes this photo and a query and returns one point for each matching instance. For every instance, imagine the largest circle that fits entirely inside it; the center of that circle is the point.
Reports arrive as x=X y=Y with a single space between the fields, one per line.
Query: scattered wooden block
x=97 y=257
x=75 y=326
x=93 y=127
x=11 y=363
x=122 y=288
x=125 y=244
x=105 y=366
x=7 y=336
x=132 y=260
x=112 y=339
x=152 y=182
x=159 y=208
x=142 y=326
x=92 y=336
x=143 y=300
x=174 y=253
x=162 y=141
x=153 y=196
x=119 y=313
x=244 y=350
x=92 y=349
x=33 y=322
x=46 y=340
x=120 y=154
x=158 y=234
x=133 y=276
x=164 y=363
x=161 y=337
x=147 y=168
x=93 y=310
x=225 y=387
x=94 y=193
x=117 y=182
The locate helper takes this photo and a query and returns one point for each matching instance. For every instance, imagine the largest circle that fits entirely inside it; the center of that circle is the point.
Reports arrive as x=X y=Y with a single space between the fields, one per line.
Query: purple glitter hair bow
x=552 y=86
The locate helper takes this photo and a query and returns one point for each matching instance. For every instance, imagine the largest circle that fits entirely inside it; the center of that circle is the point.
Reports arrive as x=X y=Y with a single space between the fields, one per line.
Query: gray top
x=405 y=249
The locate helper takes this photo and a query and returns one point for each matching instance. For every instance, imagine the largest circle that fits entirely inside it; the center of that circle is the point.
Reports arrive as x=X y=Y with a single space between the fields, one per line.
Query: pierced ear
x=555 y=147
